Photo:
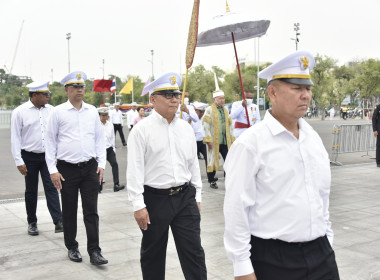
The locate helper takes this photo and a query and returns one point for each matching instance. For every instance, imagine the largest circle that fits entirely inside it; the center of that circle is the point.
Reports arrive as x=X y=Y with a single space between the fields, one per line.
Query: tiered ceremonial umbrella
x=232 y=27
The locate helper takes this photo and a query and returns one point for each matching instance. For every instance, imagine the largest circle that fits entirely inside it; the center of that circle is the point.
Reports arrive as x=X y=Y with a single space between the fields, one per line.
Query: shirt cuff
x=19 y=162
x=243 y=268
x=198 y=195
x=102 y=165
x=138 y=204
x=53 y=170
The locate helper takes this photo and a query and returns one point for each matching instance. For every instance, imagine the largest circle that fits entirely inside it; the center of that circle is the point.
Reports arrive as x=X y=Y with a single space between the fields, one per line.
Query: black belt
x=79 y=164
x=170 y=191
x=298 y=244
x=24 y=151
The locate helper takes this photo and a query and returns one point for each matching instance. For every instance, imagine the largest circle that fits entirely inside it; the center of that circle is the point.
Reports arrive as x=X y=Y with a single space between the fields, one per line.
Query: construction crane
x=18 y=42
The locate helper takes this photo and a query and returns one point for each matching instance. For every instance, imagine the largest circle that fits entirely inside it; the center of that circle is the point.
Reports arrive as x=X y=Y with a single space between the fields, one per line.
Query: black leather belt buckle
x=175 y=191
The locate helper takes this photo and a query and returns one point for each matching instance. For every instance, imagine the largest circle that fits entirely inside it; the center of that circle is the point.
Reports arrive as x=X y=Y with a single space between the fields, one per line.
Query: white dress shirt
x=238 y=115
x=131 y=116
x=161 y=155
x=109 y=134
x=277 y=187
x=191 y=116
x=116 y=117
x=28 y=128
x=74 y=136
x=198 y=129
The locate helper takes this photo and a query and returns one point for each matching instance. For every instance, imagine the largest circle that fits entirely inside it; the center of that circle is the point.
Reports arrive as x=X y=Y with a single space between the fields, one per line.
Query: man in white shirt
x=164 y=184
x=110 y=148
x=28 y=148
x=76 y=158
x=132 y=115
x=278 y=180
x=239 y=115
x=117 y=121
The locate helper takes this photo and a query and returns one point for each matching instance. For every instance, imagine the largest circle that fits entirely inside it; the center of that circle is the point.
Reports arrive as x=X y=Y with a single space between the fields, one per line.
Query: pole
x=152 y=52
x=258 y=69
x=184 y=90
x=241 y=82
x=103 y=68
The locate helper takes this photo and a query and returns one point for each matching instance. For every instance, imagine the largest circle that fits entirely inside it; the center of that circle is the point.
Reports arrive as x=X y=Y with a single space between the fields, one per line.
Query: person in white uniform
x=164 y=184
x=28 y=129
x=110 y=148
x=132 y=114
x=117 y=121
x=76 y=158
x=239 y=116
x=278 y=181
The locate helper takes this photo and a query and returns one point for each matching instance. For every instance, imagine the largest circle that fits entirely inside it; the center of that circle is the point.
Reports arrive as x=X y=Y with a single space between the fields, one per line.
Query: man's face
x=41 y=99
x=164 y=106
x=199 y=113
x=116 y=107
x=289 y=101
x=75 y=94
x=103 y=118
x=134 y=108
x=219 y=101
x=249 y=95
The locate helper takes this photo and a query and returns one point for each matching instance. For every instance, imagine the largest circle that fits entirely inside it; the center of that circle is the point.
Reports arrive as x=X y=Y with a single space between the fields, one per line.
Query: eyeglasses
x=77 y=86
x=169 y=95
x=45 y=93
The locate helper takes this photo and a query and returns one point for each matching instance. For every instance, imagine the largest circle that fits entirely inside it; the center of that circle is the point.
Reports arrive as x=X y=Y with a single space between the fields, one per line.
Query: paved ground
x=355 y=211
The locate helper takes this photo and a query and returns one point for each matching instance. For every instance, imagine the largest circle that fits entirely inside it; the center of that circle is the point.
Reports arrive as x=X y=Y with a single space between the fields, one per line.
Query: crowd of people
x=277 y=174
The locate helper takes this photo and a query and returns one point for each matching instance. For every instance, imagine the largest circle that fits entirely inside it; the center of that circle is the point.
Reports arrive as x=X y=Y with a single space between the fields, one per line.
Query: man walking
x=376 y=130
x=278 y=181
x=117 y=121
x=76 y=157
x=164 y=184
x=28 y=129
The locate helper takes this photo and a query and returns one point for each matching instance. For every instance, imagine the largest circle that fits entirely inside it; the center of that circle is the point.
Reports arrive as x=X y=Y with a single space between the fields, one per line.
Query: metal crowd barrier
x=352 y=138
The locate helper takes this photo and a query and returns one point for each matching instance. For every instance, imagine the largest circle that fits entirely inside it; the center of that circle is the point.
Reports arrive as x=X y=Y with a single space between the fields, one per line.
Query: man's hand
x=183 y=108
x=244 y=103
x=22 y=169
x=375 y=133
x=247 y=277
x=199 y=206
x=209 y=145
x=56 y=178
x=142 y=218
x=100 y=172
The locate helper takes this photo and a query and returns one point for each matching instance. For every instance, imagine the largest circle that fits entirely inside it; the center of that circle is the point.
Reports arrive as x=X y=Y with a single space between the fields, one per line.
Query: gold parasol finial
x=227 y=7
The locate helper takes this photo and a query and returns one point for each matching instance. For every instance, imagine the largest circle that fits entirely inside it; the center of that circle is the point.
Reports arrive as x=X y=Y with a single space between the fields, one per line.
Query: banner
x=101 y=85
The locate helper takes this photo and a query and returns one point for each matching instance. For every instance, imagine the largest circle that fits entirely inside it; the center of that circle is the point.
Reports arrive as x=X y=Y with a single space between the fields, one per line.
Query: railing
x=354 y=138
x=5 y=118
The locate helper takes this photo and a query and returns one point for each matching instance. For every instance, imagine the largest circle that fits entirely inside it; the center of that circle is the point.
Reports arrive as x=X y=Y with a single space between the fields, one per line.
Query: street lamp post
x=296 y=29
x=68 y=37
x=258 y=95
x=152 y=52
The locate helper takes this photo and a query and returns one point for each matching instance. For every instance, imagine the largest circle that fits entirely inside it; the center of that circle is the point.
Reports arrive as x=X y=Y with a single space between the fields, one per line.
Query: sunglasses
x=169 y=95
x=76 y=86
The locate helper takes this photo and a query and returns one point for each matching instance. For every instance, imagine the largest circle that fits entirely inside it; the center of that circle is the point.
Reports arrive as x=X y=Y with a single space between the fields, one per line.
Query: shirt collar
x=70 y=106
x=276 y=127
x=162 y=119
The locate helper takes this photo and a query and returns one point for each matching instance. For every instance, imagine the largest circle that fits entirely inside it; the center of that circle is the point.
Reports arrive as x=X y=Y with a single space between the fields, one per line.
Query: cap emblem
x=79 y=76
x=304 y=62
x=173 y=80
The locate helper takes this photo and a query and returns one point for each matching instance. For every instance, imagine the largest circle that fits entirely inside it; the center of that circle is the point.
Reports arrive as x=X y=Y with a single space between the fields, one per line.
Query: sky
x=123 y=33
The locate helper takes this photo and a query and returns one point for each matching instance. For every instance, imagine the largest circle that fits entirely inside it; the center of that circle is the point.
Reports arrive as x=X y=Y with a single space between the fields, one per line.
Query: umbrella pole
x=241 y=81
x=184 y=90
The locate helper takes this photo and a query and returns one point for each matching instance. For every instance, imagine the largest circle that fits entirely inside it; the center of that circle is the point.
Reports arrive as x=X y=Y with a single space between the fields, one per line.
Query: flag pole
x=115 y=89
x=241 y=81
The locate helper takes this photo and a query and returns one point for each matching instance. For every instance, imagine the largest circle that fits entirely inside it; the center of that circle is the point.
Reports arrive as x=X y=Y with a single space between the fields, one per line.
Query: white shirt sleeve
x=16 y=127
x=51 y=142
x=239 y=198
x=236 y=109
x=100 y=143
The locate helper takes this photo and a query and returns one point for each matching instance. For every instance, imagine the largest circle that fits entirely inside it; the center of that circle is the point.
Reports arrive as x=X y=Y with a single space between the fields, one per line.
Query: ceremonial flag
x=101 y=85
x=113 y=87
x=128 y=88
x=145 y=91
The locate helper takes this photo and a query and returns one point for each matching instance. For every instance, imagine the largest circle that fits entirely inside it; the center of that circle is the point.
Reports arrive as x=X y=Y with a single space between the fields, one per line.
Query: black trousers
x=35 y=164
x=119 y=127
x=223 y=150
x=111 y=157
x=378 y=149
x=201 y=149
x=278 y=260
x=181 y=213
x=85 y=180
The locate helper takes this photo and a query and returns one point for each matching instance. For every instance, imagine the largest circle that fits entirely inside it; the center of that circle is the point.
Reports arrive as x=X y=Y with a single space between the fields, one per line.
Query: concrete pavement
x=355 y=210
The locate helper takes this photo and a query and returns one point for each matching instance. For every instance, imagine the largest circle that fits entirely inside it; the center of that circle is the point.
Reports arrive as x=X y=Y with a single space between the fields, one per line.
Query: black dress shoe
x=96 y=258
x=378 y=165
x=32 y=229
x=117 y=187
x=74 y=255
x=124 y=144
x=213 y=185
x=58 y=227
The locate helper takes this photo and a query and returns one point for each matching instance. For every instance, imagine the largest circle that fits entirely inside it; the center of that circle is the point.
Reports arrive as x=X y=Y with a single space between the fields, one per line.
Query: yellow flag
x=128 y=88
